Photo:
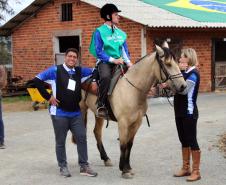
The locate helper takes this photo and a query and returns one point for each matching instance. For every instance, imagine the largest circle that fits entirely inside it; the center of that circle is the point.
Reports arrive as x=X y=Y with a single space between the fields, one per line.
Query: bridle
x=162 y=68
x=167 y=75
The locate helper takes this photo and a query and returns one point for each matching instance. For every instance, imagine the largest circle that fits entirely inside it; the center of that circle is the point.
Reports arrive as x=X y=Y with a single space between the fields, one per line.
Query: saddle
x=91 y=86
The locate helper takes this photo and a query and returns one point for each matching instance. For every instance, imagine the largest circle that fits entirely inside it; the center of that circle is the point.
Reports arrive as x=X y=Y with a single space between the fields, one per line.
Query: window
x=66 y=12
x=68 y=42
x=220 y=48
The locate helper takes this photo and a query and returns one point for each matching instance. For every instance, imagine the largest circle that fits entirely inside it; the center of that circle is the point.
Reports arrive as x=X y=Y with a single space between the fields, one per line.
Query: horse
x=129 y=101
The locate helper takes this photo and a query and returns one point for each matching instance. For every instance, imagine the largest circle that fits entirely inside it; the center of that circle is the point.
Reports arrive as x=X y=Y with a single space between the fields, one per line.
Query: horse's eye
x=168 y=63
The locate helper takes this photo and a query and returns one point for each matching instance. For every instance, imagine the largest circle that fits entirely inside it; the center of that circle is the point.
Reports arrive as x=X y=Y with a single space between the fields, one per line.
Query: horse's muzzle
x=182 y=87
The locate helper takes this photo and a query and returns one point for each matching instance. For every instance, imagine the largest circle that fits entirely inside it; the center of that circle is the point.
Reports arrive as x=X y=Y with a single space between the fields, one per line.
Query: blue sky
x=17 y=5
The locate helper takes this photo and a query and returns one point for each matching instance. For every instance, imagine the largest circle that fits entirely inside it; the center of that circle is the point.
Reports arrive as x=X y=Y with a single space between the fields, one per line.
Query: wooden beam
x=37 y=4
x=15 y=21
x=26 y=13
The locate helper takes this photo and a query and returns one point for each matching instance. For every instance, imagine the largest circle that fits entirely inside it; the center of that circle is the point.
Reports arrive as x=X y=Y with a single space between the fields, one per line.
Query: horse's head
x=169 y=70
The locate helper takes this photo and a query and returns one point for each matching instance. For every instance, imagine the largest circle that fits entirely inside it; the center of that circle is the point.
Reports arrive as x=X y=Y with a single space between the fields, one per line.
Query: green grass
x=16 y=99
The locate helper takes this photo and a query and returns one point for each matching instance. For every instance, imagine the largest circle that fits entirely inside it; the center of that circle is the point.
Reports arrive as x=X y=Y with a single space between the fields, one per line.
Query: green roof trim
x=199 y=10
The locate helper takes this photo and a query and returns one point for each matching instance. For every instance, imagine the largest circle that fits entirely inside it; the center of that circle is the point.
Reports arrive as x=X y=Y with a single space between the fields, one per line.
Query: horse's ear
x=165 y=44
x=159 y=50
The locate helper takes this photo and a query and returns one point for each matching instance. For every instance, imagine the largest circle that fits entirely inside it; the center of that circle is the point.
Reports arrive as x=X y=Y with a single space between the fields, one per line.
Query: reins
x=162 y=69
x=129 y=80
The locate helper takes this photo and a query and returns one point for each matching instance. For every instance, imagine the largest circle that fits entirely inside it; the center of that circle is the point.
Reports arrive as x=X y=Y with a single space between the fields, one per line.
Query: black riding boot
x=105 y=74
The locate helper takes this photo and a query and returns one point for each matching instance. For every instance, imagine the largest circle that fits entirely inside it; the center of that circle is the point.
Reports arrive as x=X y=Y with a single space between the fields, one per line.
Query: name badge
x=71 y=85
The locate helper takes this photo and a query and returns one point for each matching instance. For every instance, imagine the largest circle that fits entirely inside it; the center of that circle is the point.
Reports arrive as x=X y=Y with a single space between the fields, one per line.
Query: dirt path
x=19 y=106
x=30 y=157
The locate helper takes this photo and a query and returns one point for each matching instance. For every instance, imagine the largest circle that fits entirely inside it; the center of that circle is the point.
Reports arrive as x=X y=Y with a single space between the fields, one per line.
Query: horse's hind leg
x=98 y=135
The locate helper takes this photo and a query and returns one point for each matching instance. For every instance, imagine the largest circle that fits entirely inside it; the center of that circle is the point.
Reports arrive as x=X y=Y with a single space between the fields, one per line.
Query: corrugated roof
x=199 y=10
x=147 y=14
x=153 y=16
x=135 y=10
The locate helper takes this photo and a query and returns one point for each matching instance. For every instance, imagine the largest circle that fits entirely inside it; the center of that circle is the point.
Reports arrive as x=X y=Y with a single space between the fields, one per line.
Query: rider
x=109 y=47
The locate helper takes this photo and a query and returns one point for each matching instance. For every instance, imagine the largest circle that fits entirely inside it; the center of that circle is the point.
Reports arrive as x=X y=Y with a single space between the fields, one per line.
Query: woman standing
x=186 y=115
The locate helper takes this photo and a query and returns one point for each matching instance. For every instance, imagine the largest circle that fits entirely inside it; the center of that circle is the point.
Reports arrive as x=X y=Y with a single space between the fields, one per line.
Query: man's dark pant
x=105 y=74
x=1 y=123
x=61 y=126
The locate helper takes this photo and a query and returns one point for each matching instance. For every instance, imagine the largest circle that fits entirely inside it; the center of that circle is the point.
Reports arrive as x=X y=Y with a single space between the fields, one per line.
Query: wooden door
x=219 y=61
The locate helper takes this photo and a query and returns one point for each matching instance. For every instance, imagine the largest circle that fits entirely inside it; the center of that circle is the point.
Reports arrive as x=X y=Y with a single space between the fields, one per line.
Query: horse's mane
x=140 y=59
x=168 y=54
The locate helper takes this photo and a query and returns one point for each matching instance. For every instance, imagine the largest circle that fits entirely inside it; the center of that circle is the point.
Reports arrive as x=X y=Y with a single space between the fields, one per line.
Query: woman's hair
x=190 y=53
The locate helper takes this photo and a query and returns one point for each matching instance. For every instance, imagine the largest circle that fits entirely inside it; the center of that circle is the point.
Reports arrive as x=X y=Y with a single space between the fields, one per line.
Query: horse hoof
x=108 y=163
x=127 y=175
x=131 y=172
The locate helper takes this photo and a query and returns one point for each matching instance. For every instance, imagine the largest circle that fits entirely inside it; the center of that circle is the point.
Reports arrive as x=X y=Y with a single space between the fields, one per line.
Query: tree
x=5 y=55
x=5 y=9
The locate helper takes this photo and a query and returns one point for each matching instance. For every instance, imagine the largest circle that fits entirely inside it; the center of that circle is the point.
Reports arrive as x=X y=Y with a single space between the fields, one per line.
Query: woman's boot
x=185 y=170
x=195 y=174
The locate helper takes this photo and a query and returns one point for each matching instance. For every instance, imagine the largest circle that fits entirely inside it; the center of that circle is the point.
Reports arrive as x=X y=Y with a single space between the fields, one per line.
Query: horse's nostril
x=182 y=87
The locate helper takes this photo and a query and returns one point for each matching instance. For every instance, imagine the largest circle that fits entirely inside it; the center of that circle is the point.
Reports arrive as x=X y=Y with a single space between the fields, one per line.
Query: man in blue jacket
x=65 y=80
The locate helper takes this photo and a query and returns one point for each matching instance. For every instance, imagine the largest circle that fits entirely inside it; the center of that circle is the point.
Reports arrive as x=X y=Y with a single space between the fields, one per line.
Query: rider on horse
x=109 y=47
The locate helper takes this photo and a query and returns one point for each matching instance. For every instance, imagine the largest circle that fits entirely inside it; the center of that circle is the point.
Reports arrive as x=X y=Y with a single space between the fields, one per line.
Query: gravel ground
x=29 y=158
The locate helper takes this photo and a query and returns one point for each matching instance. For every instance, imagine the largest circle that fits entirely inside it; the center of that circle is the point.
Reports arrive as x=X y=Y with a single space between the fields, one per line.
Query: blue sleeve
x=85 y=71
x=192 y=78
x=48 y=74
x=125 y=53
x=99 y=45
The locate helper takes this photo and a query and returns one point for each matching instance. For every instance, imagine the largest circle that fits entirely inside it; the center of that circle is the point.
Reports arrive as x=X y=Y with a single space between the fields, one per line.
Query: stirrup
x=102 y=112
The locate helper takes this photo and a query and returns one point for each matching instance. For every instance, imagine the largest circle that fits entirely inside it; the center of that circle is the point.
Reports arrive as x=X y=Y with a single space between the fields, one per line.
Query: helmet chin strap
x=112 y=24
x=112 y=27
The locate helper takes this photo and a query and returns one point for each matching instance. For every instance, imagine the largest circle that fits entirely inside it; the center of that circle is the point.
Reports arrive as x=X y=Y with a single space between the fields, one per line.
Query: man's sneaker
x=65 y=172
x=102 y=112
x=2 y=146
x=87 y=171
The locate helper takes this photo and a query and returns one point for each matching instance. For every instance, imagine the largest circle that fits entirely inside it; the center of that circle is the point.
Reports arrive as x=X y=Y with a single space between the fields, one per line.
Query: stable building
x=46 y=28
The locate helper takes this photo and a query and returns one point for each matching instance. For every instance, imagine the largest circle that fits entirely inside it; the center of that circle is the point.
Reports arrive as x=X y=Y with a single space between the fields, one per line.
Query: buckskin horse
x=129 y=100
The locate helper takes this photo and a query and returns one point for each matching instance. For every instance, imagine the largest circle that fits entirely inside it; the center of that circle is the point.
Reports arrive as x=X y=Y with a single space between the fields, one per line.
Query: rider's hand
x=151 y=92
x=53 y=101
x=129 y=65
x=163 y=85
x=118 y=61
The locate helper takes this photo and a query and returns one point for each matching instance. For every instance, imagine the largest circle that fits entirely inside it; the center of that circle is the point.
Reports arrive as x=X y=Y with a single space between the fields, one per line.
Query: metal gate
x=220 y=75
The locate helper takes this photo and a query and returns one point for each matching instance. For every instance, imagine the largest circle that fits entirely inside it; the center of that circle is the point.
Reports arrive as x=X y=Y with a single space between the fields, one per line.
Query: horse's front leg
x=125 y=148
x=99 y=122
x=132 y=132
x=127 y=134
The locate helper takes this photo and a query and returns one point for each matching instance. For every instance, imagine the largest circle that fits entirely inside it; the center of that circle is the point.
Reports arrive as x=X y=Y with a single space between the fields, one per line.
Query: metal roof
x=134 y=10
x=199 y=10
x=147 y=14
x=152 y=16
